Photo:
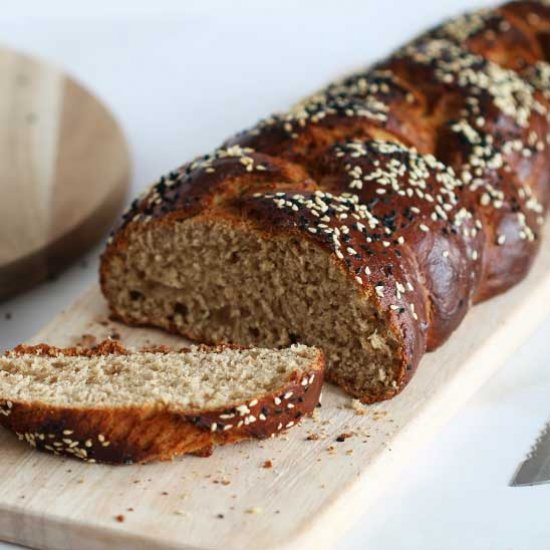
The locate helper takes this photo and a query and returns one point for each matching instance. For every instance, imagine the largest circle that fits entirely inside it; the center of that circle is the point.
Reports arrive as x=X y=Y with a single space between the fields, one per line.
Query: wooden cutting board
x=64 y=170
x=316 y=487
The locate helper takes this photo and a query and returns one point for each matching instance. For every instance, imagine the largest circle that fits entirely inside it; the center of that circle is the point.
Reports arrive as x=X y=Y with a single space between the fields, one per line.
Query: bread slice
x=110 y=404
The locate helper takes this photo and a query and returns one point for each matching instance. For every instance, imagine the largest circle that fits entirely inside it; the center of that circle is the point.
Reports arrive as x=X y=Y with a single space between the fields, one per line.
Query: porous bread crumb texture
x=221 y=282
x=174 y=381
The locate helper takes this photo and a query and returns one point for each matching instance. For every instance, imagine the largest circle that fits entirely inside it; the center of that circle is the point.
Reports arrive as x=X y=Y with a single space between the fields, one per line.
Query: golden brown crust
x=108 y=347
x=125 y=435
x=475 y=93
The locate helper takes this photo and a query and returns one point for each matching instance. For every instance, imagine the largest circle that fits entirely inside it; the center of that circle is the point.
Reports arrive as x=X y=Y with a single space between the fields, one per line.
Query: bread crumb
x=343 y=436
x=267 y=464
x=222 y=481
x=312 y=437
x=358 y=407
x=377 y=415
x=254 y=510
x=120 y=518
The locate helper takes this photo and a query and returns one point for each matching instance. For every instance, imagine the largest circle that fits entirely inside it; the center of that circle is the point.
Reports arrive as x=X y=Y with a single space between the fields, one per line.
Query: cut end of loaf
x=222 y=281
x=109 y=404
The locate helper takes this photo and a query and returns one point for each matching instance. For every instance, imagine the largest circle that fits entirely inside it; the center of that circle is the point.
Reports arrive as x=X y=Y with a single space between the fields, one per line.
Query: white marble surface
x=181 y=76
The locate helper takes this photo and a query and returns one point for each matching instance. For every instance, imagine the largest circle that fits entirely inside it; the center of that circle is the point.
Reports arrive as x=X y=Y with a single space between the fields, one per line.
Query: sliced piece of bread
x=110 y=404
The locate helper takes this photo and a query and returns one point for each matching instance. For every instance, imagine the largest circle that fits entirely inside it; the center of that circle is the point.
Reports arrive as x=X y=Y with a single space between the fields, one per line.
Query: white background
x=180 y=77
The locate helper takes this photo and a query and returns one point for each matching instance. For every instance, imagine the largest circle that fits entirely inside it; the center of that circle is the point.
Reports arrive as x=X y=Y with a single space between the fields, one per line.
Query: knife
x=535 y=469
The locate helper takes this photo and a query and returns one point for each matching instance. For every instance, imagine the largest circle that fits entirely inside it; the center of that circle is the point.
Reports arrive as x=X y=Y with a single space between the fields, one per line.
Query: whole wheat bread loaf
x=110 y=404
x=368 y=218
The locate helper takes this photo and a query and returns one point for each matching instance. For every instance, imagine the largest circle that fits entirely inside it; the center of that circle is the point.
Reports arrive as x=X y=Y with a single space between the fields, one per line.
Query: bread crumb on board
x=358 y=407
x=222 y=481
x=343 y=436
x=254 y=510
x=267 y=464
x=315 y=416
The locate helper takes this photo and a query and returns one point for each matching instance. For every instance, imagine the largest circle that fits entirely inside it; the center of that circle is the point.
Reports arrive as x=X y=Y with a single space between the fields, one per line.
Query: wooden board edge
x=48 y=531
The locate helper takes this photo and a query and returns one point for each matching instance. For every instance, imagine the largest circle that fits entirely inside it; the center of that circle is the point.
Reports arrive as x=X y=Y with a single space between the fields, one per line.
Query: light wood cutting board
x=316 y=487
x=64 y=170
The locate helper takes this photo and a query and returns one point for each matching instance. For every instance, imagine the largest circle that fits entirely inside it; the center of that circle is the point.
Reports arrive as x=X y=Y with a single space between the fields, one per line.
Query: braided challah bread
x=368 y=218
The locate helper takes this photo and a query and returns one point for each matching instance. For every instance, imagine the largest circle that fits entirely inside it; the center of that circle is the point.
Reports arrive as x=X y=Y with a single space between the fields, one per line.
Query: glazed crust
x=126 y=435
x=353 y=169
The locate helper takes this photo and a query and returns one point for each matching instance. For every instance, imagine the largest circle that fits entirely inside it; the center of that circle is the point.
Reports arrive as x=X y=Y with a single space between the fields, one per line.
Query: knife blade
x=535 y=469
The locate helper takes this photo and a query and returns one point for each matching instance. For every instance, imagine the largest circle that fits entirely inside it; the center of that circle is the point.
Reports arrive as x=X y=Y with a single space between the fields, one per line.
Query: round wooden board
x=64 y=170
